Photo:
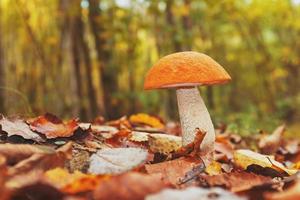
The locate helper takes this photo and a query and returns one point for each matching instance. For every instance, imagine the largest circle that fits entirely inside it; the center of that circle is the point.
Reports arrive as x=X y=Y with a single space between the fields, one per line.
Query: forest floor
x=141 y=157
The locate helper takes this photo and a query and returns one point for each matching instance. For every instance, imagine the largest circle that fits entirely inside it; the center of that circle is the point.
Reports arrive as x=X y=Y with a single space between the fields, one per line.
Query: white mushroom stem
x=194 y=114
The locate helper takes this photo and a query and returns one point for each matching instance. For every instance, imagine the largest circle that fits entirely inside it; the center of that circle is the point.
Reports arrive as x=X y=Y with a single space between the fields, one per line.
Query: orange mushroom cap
x=185 y=69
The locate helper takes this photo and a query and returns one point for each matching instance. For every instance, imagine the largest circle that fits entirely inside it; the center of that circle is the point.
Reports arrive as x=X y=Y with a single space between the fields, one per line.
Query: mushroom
x=184 y=71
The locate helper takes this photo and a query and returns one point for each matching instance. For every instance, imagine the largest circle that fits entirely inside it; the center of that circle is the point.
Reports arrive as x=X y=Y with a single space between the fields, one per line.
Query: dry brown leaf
x=117 y=160
x=223 y=151
x=292 y=193
x=103 y=130
x=235 y=181
x=17 y=152
x=194 y=193
x=129 y=186
x=173 y=170
x=43 y=162
x=122 y=139
x=20 y=128
x=269 y=144
x=37 y=191
x=52 y=127
x=4 y=193
x=121 y=124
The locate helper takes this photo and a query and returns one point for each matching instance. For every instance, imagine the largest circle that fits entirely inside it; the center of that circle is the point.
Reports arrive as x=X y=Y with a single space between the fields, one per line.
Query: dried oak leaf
x=121 y=124
x=194 y=193
x=129 y=186
x=117 y=160
x=223 y=151
x=244 y=158
x=53 y=127
x=103 y=130
x=269 y=144
x=292 y=193
x=123 y=139
x=20 y=128
x=4 y=193
x=37 y=191
x=235 y=181
x=174 y=170
x=17 y=152
x=41 y=161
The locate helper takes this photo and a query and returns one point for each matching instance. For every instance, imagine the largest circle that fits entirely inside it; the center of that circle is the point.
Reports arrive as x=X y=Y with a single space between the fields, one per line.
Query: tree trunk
x=108 y=76
x=93 y=108
x=2 y=71
x=76 y=65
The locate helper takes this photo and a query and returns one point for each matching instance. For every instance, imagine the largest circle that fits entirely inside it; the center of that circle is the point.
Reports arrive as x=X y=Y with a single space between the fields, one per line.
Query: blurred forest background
x=89 y=57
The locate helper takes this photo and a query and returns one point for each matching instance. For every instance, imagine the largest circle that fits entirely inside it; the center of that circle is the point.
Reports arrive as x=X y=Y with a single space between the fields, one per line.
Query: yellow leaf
x=244 y=157
x=214 y=168
x=146 y=119
x=61 y=177
x=75 y=182
x=163 y=143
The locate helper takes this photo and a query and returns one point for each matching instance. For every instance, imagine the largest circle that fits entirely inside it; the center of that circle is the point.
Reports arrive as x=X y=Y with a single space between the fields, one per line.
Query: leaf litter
x=141 y=158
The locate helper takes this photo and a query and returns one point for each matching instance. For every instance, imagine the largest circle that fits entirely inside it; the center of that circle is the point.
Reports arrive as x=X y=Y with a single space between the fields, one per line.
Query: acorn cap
x=185 y=69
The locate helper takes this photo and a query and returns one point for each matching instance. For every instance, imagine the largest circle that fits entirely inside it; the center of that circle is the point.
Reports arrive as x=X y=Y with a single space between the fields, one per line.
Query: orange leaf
x=53 y=127
x=236 y=181
x=129 y=186
x=173 y=170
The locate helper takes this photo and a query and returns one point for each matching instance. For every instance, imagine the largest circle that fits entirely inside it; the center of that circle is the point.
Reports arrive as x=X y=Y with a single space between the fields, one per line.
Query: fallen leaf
x=73 y=183
x=142 y=118
x=116 y=160
x=193 y=149
x=223 y=151
x=17 y=152
x=121 y=124
x=4 y=193
x=20 y=180
x=61 y=177
x=139 y=136
x=122 y=139
x=20 y=128
x=52 y=127
x=173 y=128
x=85 y=184
x=173 y=170
x=269 y=143
x=163 y=143
x=129 y=186
x=103 y=130
x=194 y=193
x=292 y=193
x=235 y=181
x=291 y=146
x=244 y=158
x=37 y=191
x=214 y=168
x=41 y=161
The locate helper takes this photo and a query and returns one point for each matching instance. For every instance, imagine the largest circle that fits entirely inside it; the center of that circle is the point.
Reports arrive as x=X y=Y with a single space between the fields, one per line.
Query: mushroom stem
x=194 y=114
